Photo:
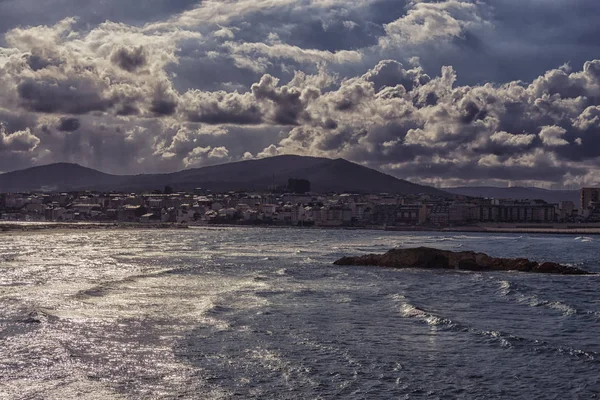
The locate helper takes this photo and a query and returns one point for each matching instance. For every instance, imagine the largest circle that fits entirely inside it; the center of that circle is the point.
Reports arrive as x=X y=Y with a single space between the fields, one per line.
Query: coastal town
x=295 y=207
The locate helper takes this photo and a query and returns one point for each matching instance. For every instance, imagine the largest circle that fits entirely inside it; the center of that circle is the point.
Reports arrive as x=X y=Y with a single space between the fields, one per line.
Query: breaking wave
x=506 y=340
x=512 y=291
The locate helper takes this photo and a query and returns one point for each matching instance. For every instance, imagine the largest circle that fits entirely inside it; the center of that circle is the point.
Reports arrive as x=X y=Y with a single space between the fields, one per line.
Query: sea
x=262 y=313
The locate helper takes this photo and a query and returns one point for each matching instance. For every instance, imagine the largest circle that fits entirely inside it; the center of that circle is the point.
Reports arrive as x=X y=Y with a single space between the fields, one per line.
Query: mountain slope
x=324 y=174
x=517 y=193
x=60 y=176
x=337 y=175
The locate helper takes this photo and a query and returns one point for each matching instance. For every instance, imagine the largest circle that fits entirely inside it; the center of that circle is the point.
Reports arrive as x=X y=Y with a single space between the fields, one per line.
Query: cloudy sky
x=444 y=92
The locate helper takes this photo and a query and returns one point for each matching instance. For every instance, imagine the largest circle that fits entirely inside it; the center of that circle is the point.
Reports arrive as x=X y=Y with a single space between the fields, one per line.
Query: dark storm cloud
x=288 y=103
x=13 y=121
x=68 y=124
x=451 y=89
x=266 y=102
x=129 y=59
x=37 y=62
x=65 y=96
x=164 y=101
x=161 y=106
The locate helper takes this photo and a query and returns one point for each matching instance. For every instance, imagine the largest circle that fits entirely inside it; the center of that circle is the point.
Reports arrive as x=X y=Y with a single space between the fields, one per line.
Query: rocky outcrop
x=429 y=258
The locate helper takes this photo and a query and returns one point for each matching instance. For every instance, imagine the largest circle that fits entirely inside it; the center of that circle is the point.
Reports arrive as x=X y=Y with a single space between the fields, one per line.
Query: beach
x=567 y=229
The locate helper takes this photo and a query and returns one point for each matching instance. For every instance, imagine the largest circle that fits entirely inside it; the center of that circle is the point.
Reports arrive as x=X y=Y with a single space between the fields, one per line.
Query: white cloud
x=553 y=136
x=196 y=157
x=298 y=54
x=432 y=21
x=270 y=151
x=20 y=141
x=219 y=152
x=509 y=139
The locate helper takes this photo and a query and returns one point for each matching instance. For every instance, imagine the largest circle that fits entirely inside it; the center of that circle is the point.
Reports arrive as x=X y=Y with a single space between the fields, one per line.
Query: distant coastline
x=567 y=229
x=19 y=227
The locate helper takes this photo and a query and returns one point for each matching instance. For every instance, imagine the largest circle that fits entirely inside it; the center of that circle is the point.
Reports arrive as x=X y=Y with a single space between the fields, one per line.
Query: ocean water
x=211 y=313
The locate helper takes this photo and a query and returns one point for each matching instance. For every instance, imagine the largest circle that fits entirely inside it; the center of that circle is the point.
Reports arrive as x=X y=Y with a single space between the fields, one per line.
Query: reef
x=430 y=258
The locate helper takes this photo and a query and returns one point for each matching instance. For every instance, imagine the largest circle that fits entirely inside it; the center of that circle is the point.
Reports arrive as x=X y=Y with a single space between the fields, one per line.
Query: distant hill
x=60 y=176
x=518 y=193
x=325 y=175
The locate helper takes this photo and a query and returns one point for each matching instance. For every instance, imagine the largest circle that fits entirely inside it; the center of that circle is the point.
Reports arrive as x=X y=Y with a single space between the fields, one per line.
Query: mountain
x=60 y=176
x=325 y=175
x=517 y=193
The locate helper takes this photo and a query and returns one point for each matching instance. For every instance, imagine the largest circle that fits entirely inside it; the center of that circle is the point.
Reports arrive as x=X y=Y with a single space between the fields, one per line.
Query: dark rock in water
x=425 y=257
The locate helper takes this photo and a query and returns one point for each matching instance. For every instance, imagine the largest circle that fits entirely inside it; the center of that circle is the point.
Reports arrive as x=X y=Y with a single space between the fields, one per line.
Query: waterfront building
x=440 y=215
x=462 y=213
x=587 y=197
x=517 y=211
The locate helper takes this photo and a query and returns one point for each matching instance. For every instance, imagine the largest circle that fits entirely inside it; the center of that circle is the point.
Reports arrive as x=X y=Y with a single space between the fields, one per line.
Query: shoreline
x=546 y=229
x=41 y=227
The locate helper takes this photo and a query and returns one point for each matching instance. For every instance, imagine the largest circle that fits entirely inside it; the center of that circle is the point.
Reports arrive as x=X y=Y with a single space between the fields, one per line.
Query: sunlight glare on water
x=263 y=313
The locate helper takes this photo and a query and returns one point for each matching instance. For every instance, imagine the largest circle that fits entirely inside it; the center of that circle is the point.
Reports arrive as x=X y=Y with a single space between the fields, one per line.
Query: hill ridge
x=325 y=175
x=517 y=193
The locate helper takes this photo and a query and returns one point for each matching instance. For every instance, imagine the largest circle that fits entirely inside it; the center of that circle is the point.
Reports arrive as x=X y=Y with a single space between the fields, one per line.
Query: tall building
x=588 y=195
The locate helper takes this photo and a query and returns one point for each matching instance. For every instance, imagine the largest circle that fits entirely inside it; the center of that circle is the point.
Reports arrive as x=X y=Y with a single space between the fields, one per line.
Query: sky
x=439 y=92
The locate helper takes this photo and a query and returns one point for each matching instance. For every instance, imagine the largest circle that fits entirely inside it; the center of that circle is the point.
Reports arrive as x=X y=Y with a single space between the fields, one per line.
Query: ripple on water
x=219 y=313
x=504 y=339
